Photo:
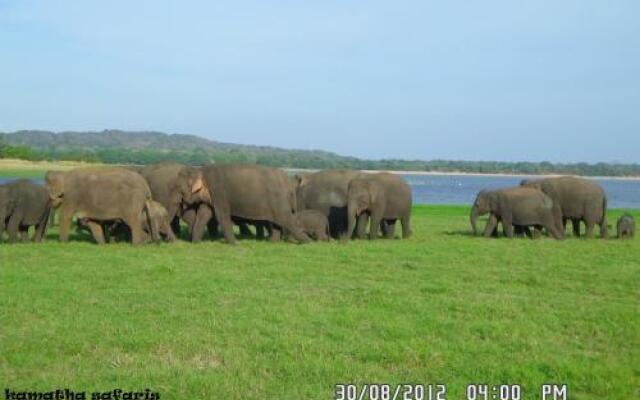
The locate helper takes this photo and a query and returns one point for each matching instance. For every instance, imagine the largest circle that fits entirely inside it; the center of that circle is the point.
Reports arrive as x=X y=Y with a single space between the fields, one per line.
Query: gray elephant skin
x=249 y=192
x=626 y=227
x=385 y=198
x=101 y=194
x=579 y=200
x=23 y=204
x=314 y=223
x=523 y=206
x=326 y=191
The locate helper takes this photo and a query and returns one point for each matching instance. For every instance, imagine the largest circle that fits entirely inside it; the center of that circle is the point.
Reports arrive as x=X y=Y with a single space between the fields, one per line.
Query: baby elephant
x=315 y=224
x=114 y=229
x=626 y=227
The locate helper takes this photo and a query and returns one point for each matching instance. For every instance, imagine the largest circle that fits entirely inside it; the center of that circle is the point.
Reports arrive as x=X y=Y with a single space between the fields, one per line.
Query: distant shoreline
x=490 y=174
x=14 y=167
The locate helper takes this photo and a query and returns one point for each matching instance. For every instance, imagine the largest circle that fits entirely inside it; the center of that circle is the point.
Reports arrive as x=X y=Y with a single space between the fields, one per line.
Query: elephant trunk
x=474 y=219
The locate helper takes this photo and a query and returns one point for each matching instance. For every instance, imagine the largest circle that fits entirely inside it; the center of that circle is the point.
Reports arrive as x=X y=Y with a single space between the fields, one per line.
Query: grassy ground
x=11 y=168
x=282 y=321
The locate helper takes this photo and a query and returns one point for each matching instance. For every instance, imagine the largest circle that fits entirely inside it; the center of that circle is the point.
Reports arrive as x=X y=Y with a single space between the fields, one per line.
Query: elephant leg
x=189 y=218
x=2 y=227
x=374 y=225
x=390 y=230
x=13 y=227
x=224 y=219
x=406 y=226
x=259 y=231
x=276 y=234
x=507 y=225
x=64 y=223
x=203 y=215
x=96 y=231
x=135 y=226
x=590 y=226
x=361 y=225
x=41 y=227
x=491 y=226
x=604 y=228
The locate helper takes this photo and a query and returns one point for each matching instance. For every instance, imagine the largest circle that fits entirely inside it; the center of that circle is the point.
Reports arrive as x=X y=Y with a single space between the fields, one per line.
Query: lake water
x=462 y=189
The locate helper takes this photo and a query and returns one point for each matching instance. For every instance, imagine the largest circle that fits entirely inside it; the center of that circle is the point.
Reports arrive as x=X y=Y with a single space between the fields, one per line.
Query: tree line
x=313 y=160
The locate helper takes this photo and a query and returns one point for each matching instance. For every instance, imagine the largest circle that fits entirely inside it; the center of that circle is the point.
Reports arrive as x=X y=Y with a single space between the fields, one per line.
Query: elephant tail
x=604 y=228
x=152 y=222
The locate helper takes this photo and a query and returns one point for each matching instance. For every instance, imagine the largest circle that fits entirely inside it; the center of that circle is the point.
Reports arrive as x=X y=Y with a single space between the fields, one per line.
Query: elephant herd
x=156 y=202
x=548 y=203
x=152 y=203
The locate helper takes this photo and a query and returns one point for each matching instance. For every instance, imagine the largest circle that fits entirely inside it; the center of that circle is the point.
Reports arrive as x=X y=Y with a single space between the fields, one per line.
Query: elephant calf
x=626 y=227
x=519 y=206
x=158 y=217
x=315 y=224
x=23 y=204
x=385 y=198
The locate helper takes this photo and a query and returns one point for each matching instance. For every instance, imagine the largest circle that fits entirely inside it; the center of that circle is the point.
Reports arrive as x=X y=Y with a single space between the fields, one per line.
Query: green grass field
x=282 y=321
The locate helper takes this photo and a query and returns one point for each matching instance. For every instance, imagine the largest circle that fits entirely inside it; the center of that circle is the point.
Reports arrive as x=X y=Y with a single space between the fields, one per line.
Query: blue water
x=462 y=189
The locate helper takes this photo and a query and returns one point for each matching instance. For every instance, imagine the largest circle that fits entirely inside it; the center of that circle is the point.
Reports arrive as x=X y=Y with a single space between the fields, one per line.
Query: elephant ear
x=197 y=185
x=199 y=188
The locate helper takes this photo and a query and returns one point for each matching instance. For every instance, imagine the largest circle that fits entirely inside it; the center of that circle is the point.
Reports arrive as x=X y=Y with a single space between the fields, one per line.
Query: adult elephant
x=101 y=194
x=24 y=204
x=326 y=191
x=163 y=182
x=162 y=179
x=519 y=206
x=579 y=200
x=250 y=192
x=385 y=198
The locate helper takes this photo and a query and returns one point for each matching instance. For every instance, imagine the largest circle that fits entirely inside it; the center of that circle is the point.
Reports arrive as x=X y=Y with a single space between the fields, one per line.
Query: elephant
x=579 y=200
x=383 y=197
x=251 y=192
x=521 y=206
x=101 y=194
x=326 y=191
x=158 y=215
x=162 y=179
x=314 y=223
x=626 y=226
x=24 y=203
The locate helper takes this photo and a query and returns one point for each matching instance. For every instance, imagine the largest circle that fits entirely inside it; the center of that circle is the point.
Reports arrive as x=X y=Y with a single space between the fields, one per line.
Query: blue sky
x=477 y=80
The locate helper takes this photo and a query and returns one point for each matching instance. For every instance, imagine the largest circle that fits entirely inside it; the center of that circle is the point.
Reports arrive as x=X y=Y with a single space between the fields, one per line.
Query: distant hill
x=117 y=139
x=123 y=147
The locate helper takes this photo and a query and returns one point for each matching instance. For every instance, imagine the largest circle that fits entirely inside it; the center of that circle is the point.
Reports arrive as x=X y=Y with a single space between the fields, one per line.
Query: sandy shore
x=7 y=164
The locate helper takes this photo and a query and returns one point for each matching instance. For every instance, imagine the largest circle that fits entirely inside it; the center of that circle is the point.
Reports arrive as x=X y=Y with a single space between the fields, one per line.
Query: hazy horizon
x=495 y=81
